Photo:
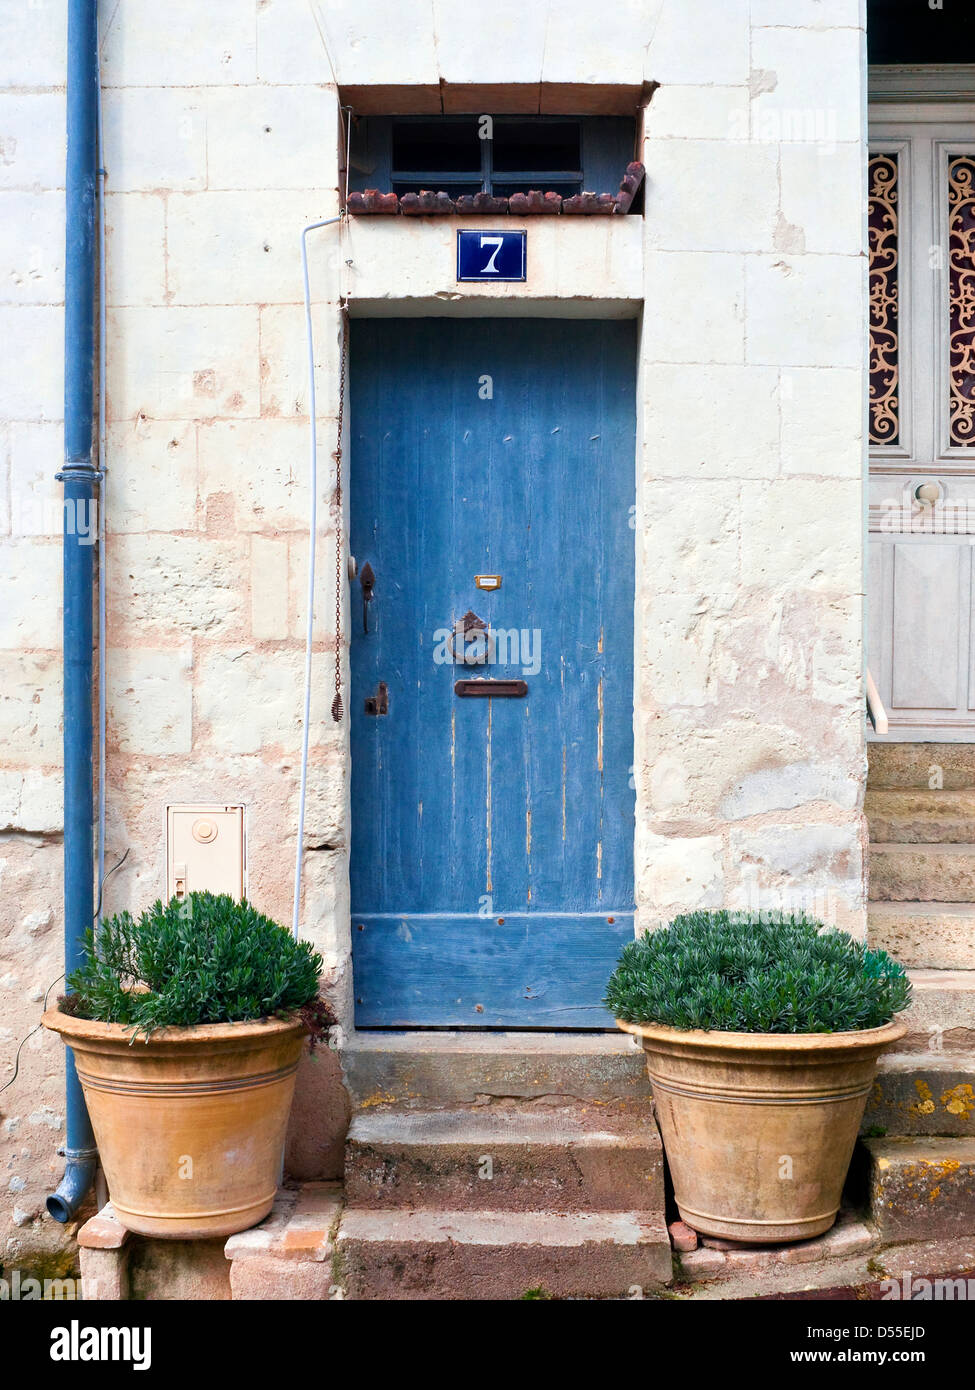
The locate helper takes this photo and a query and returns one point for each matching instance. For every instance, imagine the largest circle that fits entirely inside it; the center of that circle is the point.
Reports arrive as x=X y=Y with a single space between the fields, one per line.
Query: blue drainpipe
x=80 y=478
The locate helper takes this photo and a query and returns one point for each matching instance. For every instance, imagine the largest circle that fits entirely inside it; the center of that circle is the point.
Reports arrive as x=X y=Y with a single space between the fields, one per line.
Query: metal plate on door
x=510 y=689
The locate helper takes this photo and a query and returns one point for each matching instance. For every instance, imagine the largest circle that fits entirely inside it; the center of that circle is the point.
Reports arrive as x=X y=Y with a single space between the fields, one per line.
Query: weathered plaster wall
x=750 y=742
x=32 y=57
x=222 y=140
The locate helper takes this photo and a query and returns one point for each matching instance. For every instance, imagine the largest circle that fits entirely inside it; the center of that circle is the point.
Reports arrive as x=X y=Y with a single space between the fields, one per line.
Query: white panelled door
x=921 y=637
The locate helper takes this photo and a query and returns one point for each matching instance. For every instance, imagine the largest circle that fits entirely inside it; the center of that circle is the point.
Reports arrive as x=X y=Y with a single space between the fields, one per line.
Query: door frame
x=940 y=102
x=518 y=308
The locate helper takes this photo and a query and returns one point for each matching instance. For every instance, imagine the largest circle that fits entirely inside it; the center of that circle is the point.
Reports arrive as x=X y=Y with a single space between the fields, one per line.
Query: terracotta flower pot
x=190 y=1124
x=759 y=1128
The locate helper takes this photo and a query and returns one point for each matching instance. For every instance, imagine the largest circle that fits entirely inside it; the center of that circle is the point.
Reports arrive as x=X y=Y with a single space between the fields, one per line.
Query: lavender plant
x=202 y=959
x=746 y=973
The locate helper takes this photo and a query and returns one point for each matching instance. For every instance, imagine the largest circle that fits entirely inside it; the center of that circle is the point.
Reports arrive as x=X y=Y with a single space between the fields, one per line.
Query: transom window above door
x=500 y=155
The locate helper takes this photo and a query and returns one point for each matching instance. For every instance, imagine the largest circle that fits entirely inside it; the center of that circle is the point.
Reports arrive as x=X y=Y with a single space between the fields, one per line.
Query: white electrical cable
x=312 y=544
x=102 y=605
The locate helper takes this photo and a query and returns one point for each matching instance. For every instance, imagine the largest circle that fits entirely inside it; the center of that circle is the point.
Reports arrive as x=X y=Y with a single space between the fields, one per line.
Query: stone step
x=922 y=1188
x=714 y=1262
x=920 y=817
x=918 y=1269
x=459 y=1068
x=567 y=1158
x=941 y=1015
x=921 y=765
x=436 y=1254
x=922 y=873
x=922 y=1093
x=927 y=935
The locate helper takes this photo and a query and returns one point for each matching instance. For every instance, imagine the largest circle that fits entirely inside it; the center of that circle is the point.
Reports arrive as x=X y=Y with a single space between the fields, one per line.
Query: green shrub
x=740 y=973
x=203 y=959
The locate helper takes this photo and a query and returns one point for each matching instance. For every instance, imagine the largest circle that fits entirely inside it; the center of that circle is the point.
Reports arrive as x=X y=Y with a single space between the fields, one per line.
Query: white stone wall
x=222 y=139
x=32 y=59
x=750 y=739
x=221 y=142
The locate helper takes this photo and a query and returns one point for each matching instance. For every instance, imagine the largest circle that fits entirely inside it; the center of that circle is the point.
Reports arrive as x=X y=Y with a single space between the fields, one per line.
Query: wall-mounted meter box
x=205 y=850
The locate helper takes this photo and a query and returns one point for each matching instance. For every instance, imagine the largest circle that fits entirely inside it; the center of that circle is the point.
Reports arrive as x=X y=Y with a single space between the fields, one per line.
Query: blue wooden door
x=492 y=836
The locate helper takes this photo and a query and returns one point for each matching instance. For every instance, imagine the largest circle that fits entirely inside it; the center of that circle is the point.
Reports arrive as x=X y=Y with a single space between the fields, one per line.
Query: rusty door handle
x=367 y=579
x=378 y=704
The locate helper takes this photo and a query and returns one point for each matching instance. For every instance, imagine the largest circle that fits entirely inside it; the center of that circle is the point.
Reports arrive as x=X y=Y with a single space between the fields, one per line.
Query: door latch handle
x=367 y=579
x=378 y=703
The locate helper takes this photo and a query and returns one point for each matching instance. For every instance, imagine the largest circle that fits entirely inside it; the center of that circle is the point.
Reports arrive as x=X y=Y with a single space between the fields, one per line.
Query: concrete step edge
x=899 y=1062
x=925 y=796
x=402 y=1225
x=920 y=908
x=461 y=1129
x=960 y=981
x=913 y=828
x=925 y=849
x=461 y=1068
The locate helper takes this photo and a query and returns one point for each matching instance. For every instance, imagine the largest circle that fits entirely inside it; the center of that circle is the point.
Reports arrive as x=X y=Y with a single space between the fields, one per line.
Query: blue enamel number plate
x=491 y=255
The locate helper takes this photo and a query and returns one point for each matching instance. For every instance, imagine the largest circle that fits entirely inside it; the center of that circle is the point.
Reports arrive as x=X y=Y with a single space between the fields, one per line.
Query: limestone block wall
x=749 y=707
x=222 y=139
x=32 y=59
x=221 y=142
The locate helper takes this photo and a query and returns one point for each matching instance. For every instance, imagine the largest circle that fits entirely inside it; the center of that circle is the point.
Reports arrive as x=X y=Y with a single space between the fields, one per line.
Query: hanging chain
x=338 y=707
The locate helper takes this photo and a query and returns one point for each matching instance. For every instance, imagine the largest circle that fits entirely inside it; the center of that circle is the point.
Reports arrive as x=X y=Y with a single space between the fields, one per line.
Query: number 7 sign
x=491 y=255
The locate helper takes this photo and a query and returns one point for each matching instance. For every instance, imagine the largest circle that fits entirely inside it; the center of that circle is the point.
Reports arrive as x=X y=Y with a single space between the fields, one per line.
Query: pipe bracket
x=79 y=473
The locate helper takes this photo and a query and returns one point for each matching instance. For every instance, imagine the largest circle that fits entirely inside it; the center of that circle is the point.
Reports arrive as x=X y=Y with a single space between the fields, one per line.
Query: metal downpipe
x=80 y=478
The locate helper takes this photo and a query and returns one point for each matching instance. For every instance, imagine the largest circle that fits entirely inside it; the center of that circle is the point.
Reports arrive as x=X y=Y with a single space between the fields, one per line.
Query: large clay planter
x=759 y=1128
x=190 y=1124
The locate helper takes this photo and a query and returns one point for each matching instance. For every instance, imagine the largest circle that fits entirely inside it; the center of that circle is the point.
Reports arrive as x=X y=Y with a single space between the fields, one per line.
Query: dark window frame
x=489 y=176
x=605 y=147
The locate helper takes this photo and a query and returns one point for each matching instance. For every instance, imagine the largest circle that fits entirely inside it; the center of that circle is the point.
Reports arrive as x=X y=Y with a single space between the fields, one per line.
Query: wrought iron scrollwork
x=884 y=302
x=961 y=300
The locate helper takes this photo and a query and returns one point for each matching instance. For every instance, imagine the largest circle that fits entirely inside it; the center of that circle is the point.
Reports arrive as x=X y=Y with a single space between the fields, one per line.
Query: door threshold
x=465 y=1067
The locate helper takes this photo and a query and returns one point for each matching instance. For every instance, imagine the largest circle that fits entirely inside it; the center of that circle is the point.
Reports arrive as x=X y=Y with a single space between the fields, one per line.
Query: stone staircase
x=922 y=910
x=548 y=1198
x=922 y=879
x=513 y=1166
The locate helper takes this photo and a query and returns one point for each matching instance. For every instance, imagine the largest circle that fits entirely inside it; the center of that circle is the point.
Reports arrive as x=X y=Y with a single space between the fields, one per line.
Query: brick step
x=923 y=1093
x=922 y=873
x=922 y=1188
x=926 y=935
x=903 y=765
x=920 y=817
x=566 y=1158
x=404 y=1254
x=941 y=1015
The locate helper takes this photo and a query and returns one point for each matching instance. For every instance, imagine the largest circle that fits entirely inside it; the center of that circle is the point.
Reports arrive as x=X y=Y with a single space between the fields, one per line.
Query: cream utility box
x=205 y=850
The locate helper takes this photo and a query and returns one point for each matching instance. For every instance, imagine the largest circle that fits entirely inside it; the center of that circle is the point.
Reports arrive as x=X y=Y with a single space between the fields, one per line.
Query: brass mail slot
x=512 y=689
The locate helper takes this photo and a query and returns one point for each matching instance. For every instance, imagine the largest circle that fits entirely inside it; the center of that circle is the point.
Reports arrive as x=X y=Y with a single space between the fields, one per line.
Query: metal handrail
x=875 y=706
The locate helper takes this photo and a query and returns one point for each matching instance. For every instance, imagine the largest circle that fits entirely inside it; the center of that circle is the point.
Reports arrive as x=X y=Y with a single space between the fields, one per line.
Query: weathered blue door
x=492 y=835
